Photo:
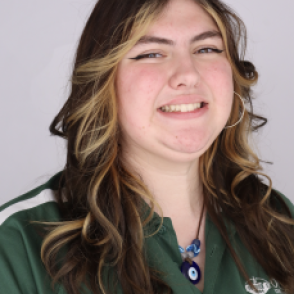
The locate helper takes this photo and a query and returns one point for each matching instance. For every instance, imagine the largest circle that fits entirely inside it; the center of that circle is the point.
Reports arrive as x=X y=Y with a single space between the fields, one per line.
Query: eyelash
x=214 y=50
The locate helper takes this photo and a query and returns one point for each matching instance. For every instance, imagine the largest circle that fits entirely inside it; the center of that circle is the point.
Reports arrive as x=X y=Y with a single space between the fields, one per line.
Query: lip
x=197 y=113
x=185 y=99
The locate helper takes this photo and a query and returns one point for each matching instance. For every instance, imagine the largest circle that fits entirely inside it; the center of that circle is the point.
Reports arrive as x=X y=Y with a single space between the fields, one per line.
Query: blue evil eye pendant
x=191 y=271
x=189 y=268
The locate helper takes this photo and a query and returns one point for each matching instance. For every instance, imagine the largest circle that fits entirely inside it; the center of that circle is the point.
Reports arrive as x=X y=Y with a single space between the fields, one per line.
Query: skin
x=165 y=150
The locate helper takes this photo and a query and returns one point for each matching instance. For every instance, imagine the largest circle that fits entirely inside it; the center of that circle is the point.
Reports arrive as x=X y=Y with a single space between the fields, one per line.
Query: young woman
x=161 y=192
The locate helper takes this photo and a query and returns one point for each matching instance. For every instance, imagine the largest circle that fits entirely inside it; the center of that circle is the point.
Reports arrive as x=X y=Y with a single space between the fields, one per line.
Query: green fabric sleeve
x=21 y=268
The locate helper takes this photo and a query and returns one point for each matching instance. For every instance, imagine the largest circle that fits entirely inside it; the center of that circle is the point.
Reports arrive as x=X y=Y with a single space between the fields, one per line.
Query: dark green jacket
x=22 y=271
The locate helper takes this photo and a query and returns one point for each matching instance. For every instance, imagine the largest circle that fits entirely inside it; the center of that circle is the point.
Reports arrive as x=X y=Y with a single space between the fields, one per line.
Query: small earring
x=227 y=127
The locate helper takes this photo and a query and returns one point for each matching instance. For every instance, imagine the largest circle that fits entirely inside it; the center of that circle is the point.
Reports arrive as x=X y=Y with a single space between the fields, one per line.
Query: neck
x=175 y=186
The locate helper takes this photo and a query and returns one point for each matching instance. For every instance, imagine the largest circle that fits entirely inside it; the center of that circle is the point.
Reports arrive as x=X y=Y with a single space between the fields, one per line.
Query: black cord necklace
x=189 y=268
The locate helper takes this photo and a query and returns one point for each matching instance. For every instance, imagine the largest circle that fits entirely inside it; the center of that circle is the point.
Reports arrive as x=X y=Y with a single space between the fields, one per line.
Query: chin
x=186 y=153
x=192 y=145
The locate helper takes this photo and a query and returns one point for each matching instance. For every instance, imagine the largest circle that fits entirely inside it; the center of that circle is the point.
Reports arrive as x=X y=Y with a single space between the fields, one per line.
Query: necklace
x=189 y=268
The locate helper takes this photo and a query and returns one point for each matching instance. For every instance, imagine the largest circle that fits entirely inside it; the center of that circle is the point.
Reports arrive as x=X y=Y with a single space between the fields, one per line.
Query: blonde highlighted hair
x=101 y=200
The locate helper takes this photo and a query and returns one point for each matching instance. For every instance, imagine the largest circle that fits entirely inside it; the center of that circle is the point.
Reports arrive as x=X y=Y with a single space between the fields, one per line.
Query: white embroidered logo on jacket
x=263 y=286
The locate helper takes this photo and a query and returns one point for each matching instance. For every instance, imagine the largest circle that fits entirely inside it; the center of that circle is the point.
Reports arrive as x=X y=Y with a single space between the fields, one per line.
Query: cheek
x=137 y=90
x=220 y=80
x=138 y=85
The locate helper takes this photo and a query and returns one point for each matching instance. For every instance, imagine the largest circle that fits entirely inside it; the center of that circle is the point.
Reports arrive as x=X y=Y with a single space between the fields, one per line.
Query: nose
x=185 y=74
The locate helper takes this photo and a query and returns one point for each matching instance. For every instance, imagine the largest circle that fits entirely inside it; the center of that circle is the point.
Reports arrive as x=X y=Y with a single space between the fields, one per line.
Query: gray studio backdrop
x=38 y=41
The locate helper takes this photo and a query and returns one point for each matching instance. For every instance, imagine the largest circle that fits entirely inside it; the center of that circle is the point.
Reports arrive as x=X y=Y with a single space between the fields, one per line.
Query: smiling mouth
x=182 y=107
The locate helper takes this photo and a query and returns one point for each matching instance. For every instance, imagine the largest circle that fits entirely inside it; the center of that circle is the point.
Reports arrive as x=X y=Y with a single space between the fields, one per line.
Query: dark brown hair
x=101 y=200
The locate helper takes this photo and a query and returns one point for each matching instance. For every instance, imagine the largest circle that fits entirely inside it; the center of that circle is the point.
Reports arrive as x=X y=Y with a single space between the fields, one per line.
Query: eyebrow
x=153 y=39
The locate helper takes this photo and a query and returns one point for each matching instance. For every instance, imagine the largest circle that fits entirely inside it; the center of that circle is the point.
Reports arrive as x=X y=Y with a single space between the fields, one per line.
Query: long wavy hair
x=101 y=200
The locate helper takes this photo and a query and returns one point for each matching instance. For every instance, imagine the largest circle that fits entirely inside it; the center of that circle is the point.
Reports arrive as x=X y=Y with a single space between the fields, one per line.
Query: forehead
x=182 y=16
x=180 y=22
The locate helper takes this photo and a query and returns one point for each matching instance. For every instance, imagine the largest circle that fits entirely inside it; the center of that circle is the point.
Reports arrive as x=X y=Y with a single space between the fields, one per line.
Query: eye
x=193 y=275
x=148 y=55
x=209 y=50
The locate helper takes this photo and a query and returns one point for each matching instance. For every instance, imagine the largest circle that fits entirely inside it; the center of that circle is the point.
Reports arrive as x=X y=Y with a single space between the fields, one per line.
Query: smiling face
x=177 y=67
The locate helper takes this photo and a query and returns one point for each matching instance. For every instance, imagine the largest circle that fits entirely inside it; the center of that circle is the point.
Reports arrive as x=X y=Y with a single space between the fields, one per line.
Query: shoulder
x=281 y=201
x=21 y=268
x=36 y=205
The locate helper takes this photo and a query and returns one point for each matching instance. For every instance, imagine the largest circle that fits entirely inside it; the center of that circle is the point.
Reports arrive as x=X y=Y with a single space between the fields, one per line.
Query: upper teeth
x=181 y=107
